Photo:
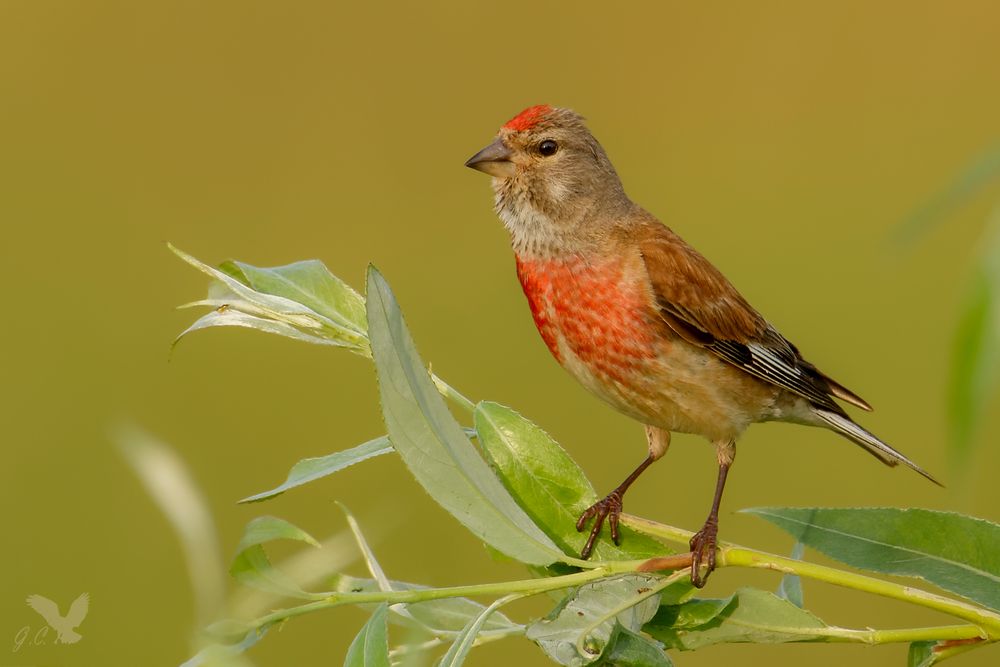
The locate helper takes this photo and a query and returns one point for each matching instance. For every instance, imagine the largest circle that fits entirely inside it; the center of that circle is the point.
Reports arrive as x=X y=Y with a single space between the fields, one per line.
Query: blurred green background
x=783 y=139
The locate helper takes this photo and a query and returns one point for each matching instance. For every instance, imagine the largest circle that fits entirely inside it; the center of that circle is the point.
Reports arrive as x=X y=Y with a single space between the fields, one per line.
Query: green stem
x=526 y=586
x=741 y=557
x=731 y=555
x=901 y=636
x=670 y=533
x=451 y=393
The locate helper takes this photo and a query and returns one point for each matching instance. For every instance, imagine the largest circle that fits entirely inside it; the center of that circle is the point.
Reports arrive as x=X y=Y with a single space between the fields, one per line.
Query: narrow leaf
x=251 y=565
x=927 y=653
x=790 y=587
x=433 y=445
x=374 y=567
x=308 y=470
x=975 y=367
x=366 y=551
x=273 y=313
x=583 y=626
x=172 y=487
x=467 y=637
x=227 y=315
x=750 y=615
x=548 y=484
x=227 y=655
x=921 y=654
x=228 y=630
x=959 y=553
x=631 y=649
x=370 y=647
x=689 y=614
x=264 y=529
x=307 y=282
x=446 y=615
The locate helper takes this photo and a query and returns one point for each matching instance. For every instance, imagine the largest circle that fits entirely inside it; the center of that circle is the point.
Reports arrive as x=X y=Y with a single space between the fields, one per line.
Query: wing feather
x=699 y=304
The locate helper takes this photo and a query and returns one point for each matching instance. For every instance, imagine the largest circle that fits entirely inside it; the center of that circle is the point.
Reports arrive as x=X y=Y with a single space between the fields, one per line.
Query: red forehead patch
x=528 y=118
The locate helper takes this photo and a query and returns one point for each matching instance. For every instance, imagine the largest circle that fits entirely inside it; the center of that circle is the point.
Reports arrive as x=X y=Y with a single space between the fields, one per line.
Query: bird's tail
x=880 y=450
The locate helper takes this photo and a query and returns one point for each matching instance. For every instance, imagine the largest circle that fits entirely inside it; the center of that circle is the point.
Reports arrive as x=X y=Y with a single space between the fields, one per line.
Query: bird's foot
x=703 y=546
x=610 y=507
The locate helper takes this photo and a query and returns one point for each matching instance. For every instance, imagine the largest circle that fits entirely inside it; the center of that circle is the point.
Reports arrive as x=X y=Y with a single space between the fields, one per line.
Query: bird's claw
x=610 y=507
x=703 y=546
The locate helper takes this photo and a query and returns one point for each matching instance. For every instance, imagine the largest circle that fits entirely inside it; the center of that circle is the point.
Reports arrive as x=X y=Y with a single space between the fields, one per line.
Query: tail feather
x=834 y=388
x=845 y=394
x=855 y=433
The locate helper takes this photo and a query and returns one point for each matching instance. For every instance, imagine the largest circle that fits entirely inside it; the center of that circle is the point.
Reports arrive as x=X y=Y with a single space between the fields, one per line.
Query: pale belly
x=598 y=323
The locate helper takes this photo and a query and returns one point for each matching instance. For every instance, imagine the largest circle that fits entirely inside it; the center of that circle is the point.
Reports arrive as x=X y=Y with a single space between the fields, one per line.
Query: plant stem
x=741 y=557
x=526 y=586
x=670 y=533
x=731 y=555
x=904 y=635
x=451 y=393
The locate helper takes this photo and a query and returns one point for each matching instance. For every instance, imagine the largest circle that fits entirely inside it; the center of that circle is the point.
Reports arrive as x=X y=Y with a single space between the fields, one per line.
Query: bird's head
x=549 y=174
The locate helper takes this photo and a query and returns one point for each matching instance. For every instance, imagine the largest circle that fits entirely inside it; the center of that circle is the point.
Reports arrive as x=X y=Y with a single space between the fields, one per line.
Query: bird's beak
x=493 y=160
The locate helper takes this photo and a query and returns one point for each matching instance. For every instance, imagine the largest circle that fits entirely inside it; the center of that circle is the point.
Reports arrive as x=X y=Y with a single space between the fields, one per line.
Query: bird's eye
x=548 y=147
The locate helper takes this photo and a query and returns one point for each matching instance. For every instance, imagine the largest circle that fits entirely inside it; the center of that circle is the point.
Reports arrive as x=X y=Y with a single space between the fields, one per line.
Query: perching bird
x=63 y=625
x=642 y=319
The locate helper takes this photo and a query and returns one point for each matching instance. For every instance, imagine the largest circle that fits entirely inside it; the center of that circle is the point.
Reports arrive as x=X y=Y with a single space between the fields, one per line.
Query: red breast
x=595 y=312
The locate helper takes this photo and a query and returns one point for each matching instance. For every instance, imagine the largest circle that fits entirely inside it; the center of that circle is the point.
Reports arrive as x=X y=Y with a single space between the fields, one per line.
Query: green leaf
x=750 y=615
x=307 y=470
x=227 y=655
x=631 y=649
x=467 y=637
x=228 y=630
x=227 y=314
x=690 y=614
x=927 y=653
x=310 y=283
x=265 y=529
x=236 y=303
x=975 y=363
x=582 y=627
x=444 y=615
x=252 y=567
x=960 y=554
x=790 y=587
x=433 y=445
x=921 y=654
x=374 y=567
x=370 y=647
x=548 y=484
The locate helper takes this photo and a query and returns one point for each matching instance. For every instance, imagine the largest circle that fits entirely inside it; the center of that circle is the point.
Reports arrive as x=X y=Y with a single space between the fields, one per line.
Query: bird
x=642 y=319
x=63 y=625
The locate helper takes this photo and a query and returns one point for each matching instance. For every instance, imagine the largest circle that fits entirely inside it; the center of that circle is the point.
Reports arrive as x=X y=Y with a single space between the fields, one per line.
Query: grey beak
x=493 y=160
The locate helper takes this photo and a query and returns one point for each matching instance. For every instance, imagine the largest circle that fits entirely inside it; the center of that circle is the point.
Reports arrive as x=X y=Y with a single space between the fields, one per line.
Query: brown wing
x=702 y=306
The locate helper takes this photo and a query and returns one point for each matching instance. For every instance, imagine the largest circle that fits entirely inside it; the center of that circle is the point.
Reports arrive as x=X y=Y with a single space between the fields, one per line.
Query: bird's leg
x=609 y=507
x=703 y=544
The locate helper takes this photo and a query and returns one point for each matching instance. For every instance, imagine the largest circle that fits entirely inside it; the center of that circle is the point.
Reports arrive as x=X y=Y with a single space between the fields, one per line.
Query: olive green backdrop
x=784 y=140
